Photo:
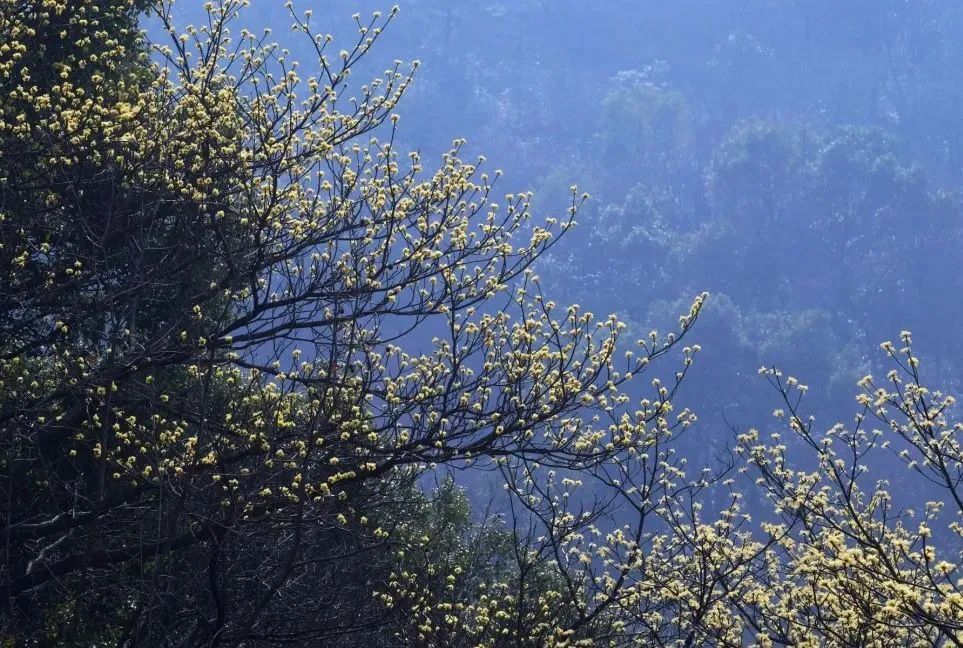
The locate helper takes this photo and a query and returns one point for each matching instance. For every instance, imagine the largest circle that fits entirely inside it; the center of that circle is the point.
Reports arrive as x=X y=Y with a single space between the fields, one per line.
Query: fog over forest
x=529 y=323
x=801 y=161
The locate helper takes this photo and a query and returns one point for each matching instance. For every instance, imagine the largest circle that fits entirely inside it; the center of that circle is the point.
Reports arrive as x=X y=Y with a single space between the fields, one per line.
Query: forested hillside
x=800 y=160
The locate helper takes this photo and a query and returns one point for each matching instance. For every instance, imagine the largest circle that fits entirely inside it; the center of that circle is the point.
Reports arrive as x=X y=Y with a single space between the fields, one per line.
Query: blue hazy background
x=801 y=160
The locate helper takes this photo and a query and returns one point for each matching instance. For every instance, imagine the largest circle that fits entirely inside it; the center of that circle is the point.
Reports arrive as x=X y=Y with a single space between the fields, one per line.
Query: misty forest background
x=801 y=161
